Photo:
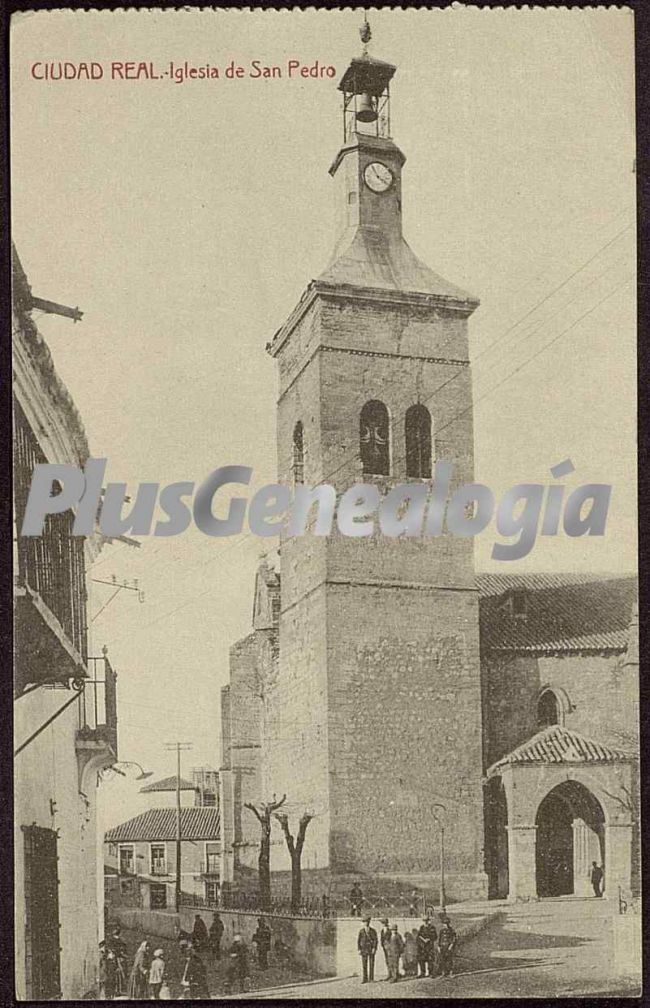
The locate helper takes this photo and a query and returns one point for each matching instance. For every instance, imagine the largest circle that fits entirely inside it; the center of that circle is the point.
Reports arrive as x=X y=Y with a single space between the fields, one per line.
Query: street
x=552 y=948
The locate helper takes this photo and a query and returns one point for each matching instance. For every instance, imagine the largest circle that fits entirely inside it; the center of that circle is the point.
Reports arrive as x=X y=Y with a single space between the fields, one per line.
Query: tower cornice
x=370 y=295
x=365 y=143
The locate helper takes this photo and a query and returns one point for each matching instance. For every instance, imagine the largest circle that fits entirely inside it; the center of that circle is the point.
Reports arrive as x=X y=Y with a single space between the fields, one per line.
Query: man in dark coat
x=262 y=939
x=427 y=936
x=367 y=947
x=237 y=964
x=596 y=878
x=356 y=899
x=215 y=935
x=195 y=978
x=384 y=938
x=199 y=933
x=116 y=962
x=446 y=946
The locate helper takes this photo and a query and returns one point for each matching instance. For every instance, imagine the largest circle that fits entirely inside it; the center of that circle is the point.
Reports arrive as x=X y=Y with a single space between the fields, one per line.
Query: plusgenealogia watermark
x=420 y=508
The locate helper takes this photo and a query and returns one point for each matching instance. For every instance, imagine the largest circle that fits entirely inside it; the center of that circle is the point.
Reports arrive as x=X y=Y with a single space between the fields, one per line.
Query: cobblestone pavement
x=551 y=948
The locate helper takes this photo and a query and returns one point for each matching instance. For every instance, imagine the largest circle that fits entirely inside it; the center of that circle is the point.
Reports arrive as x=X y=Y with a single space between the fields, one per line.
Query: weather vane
x=365 y=33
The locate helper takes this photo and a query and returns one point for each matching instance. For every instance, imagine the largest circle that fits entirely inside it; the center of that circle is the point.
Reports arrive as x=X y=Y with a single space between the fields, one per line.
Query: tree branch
x=253 y=809
x=283 y=819
x=305 y=820
x=272 y=806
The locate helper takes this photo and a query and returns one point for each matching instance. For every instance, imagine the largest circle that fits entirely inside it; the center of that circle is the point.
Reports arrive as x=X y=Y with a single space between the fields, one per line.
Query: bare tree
x=264 y=814
x=295 y=852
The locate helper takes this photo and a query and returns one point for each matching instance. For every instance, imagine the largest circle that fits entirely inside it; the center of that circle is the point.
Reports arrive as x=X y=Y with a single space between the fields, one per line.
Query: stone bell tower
x=374 y=723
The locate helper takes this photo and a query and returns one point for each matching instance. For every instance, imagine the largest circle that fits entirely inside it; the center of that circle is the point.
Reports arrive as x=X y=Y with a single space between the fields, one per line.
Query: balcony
x=44 y=651
x=96 y=741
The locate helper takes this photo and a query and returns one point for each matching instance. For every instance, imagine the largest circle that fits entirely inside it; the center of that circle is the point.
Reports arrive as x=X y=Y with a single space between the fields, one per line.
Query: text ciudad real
x=178 y=72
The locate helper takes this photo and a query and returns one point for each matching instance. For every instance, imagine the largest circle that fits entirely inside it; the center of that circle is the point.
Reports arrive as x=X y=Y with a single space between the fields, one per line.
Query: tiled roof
x=564 y=612
x=169 y=784
x=559 y=745
x=496 y=584
x=197 y=823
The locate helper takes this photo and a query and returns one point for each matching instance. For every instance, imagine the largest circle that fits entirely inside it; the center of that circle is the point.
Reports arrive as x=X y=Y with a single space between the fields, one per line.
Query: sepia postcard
x=326 y=665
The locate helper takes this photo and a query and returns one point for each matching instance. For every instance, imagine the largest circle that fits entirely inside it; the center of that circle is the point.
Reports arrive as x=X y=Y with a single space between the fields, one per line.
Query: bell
x=366 y=112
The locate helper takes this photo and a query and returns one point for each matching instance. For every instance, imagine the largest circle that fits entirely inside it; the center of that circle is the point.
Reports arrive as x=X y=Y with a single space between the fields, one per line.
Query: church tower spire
x=370 y=249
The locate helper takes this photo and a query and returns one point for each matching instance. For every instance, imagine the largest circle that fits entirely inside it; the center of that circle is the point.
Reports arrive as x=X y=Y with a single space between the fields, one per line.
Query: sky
x=186 y=219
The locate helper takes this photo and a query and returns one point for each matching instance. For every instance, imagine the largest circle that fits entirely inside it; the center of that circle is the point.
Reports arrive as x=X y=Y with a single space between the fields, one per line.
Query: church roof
x=557 y=744
x=375 y=260
x=197 y=823
x=169 y=784
x=560 y=612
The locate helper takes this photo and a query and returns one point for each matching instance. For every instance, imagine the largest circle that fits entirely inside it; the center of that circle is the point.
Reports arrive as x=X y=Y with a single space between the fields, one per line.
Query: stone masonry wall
x=602 y=691
x=405 y=732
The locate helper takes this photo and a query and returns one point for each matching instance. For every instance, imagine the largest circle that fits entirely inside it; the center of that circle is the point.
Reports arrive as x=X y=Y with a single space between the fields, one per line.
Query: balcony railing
x=98 y=704
x=51 y=566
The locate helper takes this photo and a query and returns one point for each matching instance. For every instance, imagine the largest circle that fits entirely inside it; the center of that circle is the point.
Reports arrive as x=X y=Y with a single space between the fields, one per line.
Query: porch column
x=618 y=862
x=521 y=862
x=586 y=848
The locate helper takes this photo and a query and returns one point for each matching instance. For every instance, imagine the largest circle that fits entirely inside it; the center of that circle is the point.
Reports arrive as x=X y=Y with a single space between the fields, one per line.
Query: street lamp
x=141 y=776
x=442 y=854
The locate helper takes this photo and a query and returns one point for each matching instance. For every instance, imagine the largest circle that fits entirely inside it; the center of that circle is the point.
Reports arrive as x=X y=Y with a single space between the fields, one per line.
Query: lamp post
x=141 y=776
x=441 y=826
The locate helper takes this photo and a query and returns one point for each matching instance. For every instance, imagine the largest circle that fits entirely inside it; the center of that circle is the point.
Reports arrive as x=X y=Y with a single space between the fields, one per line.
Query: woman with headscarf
x=139 y=979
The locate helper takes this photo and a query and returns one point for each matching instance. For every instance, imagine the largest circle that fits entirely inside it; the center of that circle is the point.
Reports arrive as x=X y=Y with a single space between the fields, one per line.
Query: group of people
x=148 y=976
x=425 y=951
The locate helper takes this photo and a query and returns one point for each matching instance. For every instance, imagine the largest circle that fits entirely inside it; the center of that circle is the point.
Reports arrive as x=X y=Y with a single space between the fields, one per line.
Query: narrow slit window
x=298 y=453
x=417 y=431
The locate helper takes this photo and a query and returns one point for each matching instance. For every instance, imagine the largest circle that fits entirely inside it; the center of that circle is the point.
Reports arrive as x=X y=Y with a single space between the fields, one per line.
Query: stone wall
x=405 y=733
x=601 y=691
x=312 y=941
x=377 y=710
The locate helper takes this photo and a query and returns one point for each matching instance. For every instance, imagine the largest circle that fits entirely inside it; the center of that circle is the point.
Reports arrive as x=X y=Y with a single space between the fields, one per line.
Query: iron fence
x=374 y=905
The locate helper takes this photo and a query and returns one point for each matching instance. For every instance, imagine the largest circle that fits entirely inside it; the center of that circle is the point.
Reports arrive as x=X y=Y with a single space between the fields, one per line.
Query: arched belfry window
x=548 y=709
x=417 y=432
x=374 y=438
x=298 y=453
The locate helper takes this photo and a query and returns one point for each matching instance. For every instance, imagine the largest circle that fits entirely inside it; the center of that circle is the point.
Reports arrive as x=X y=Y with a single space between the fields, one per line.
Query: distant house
x=202 y=789
x=142 y=851
x=167 y=787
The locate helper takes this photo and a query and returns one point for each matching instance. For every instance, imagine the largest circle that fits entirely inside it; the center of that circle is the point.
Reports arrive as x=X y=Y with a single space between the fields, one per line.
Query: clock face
x=378 y=177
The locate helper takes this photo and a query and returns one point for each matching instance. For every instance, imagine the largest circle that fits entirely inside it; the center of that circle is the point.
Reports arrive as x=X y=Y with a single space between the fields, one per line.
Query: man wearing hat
x=395 y=949
x=447 y=938
x=384 y=939
x=367 y=946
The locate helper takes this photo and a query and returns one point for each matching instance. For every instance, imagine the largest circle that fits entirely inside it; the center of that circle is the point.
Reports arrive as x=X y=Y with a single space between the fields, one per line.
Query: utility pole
x=179 y=747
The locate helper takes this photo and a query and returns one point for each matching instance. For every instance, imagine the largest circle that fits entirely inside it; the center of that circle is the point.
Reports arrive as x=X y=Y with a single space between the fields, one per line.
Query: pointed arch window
x=417 y=431
x=298 y=453
x=548 y=712
x=374 y=439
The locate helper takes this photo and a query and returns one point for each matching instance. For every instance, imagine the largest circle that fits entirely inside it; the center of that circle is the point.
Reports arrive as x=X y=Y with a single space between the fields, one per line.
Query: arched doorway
x=570 y=835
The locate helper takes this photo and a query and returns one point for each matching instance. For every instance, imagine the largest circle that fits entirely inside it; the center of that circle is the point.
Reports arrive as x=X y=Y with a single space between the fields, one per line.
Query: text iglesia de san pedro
x=385 y=688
